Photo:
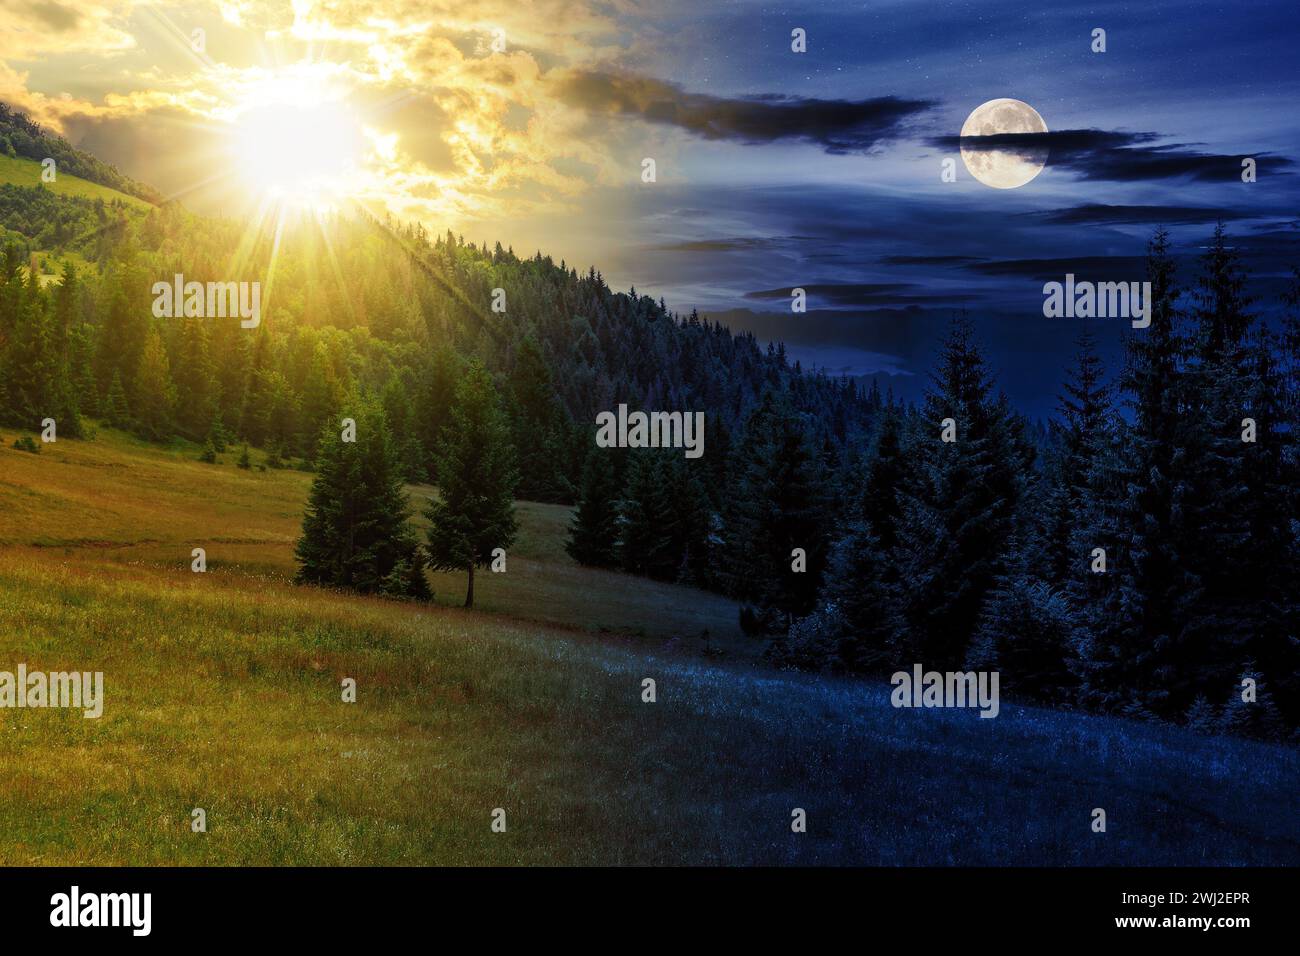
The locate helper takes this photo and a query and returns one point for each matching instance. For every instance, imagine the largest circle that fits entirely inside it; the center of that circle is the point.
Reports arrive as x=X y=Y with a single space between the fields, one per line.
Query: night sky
x=822 y=170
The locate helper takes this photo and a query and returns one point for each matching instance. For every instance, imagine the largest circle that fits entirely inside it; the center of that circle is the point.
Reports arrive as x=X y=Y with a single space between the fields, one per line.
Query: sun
x=294 y=142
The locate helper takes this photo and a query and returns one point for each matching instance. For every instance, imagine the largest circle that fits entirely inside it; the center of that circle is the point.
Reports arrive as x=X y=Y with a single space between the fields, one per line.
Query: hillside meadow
x=27 y=172
x=222 y=692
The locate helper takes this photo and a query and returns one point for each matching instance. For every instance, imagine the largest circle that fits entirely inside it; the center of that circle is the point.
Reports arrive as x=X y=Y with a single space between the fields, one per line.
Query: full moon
x=1000 y=168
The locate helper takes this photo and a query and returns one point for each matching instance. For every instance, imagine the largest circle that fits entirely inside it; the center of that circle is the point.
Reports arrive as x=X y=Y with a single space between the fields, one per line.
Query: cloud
x=858 y=294
x=929 y=260
x=32 y=30
x=734 y=244
x=55 y=16
x=837 y=126
x=1116 y=156
x=1113 y=268
x=1098 y=213
x=465 y=131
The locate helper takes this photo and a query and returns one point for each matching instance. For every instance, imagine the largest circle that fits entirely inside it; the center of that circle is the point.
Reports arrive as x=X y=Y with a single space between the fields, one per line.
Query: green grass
x=27 y=172
x=222 y=691
x=86 y=497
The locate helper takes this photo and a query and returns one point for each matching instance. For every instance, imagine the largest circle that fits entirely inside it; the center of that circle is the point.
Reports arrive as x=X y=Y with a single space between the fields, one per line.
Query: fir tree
x=433 y=403
x=692 y=522
x=862 y=601
x=778 y=504
x=593 y=532
x=323 y=396
x=960 y=501
x=117 y=413
x=646 y=543
x=155 y=396
x=879 y=504
x=1257 y=718
x=538 y=428
x=1134 y=509
x=1076 y=439
x=125 y=327
x=355 y=533
x=474 y=511
x=196 y=384
x=859 y=617
x=1027 y=633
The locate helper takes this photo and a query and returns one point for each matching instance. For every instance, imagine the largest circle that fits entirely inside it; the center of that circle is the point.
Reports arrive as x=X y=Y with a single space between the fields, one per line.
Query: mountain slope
x=27 y=173
x=21 y=137
x=222 y=692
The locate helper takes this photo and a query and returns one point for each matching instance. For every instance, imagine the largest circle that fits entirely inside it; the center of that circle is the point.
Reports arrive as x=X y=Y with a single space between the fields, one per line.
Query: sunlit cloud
x=453 y=102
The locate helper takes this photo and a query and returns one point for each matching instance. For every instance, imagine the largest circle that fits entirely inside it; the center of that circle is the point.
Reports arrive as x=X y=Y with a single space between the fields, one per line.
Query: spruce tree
x=878 y=497
x=593 y=532
x=433 y=403
x=1244 y=547
x=646 y=544
x=1134 y=509
x=1257 y=718
x=692 y=522
x=779 y=503
x=1027 y=632
x=401 y=413
x=1075 y=439
x=355 y=533
x=35 y=382
x=117 y=412
x=196 y=384
x=155 y=396
x=959 y=505
x=538 y=425
x=474 y=512
x=323 y=396
x=125 y=328
x=860 y=611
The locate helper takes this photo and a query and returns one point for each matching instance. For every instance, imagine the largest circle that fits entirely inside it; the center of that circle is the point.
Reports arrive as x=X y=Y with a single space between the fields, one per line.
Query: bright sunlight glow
x=295 y=145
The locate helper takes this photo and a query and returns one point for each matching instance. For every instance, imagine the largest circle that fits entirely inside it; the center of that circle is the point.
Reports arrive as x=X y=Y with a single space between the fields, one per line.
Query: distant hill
x=23 y=172
x=20 y=137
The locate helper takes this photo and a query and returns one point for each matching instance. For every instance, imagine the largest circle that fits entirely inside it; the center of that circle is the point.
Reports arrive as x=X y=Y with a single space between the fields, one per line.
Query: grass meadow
x=27 y=172
x=222 y=692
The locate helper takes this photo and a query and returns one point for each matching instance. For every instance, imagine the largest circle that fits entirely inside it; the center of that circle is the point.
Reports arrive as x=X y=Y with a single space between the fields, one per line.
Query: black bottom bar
x=365 y=905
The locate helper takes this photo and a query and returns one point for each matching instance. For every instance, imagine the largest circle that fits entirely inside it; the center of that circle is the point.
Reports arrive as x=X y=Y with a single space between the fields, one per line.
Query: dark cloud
x=837 y=126
x=858 y=294
x=142 y=145
x=55 y=16
x=420 y=119
x=1109 y=268
x=1116 y=156
x=840 y=291
x=1098 y=213
x=737 y=244
x=929 y=260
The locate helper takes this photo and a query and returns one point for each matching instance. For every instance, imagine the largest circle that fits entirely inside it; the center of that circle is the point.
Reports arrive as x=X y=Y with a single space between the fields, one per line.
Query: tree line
x=855 y=538
x=1139 y=556
x=363 y=315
